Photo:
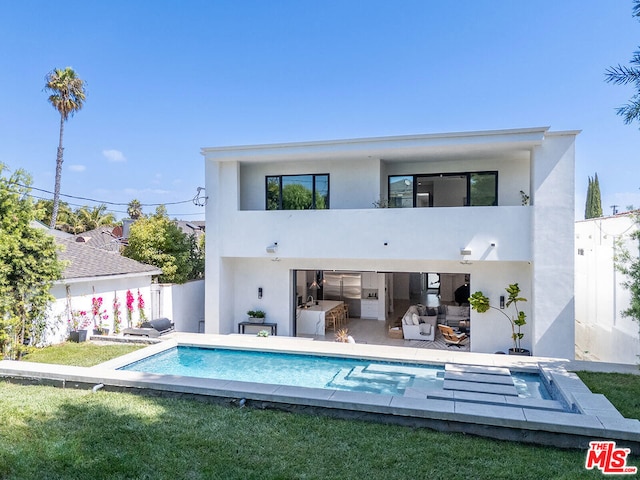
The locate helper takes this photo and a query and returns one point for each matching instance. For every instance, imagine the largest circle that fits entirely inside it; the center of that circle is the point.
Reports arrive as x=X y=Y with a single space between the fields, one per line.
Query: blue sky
x=165 y=78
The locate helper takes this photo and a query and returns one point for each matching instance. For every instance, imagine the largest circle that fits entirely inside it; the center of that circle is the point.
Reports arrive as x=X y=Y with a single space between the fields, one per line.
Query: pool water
x=310 y=371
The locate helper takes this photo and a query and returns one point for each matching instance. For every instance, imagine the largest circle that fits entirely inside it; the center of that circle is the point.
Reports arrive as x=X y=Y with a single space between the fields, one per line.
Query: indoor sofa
x=456 y=314
x=419 y=323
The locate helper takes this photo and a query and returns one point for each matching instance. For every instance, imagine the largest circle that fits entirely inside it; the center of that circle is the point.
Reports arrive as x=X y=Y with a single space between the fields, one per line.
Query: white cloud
x=77 y=168
x=143 y=191
x=114 y=155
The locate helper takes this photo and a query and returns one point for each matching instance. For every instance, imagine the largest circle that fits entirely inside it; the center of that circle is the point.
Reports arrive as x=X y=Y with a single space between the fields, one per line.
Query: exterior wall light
x=272 y=248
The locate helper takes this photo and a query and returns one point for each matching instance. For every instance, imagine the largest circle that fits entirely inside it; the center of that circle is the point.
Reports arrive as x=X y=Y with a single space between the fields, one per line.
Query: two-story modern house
x=487 y=208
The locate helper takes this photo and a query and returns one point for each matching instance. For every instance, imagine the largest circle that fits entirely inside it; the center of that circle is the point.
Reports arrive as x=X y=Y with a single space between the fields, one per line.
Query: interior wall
x=401 y=285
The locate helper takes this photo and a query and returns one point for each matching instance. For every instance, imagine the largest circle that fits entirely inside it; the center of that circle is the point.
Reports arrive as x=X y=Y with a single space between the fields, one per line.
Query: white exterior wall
x=602 y=332
x=552 y=187
x=183 y=305
x=82 y=294
x=531 y=245
x=350 y=183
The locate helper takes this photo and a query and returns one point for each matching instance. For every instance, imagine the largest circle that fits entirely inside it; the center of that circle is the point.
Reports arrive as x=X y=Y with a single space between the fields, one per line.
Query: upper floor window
x=297 y=192
x=444 y=190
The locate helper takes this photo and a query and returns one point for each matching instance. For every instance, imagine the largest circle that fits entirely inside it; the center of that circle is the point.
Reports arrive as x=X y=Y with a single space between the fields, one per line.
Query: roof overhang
x=427 y=147
x=100 y=278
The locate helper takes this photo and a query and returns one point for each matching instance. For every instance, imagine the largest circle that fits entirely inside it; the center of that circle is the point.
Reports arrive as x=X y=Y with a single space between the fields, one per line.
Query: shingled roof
x=89 y=262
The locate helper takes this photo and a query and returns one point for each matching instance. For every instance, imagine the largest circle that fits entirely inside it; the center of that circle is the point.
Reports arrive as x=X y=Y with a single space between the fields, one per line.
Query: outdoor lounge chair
x=452 y=337
x=154 y=328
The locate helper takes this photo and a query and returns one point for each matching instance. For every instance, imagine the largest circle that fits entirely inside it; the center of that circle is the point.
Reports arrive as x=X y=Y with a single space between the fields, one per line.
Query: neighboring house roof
x=104 y=238
x=87 y=262
x=192 y=227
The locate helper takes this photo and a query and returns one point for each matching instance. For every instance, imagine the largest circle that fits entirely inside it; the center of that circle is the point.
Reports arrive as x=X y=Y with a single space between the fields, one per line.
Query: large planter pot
x=256 y=319
x=523 y=352
x=78 y=336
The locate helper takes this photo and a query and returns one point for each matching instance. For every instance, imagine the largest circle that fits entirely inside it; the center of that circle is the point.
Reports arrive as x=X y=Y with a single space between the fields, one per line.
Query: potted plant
x=78 y=323
x=480 y=303
x=256 y=316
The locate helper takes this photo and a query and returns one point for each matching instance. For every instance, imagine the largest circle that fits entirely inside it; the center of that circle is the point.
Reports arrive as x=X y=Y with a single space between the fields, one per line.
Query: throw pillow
x=416 y=319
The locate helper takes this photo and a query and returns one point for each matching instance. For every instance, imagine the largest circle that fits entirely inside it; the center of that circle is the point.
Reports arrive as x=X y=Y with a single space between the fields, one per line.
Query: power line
x=114 y=211
x=109 y=203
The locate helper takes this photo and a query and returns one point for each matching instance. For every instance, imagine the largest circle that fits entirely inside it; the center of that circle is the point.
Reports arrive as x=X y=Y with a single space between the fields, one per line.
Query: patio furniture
x=451 y=337
x=273 y=327
x=151 y=329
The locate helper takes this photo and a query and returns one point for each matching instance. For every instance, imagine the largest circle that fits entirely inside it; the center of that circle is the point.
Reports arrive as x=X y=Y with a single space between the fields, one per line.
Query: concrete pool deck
x=573 y=419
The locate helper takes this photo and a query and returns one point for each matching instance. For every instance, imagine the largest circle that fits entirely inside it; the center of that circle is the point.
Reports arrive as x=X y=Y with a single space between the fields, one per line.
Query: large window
x=297 y=192
x=443 y=190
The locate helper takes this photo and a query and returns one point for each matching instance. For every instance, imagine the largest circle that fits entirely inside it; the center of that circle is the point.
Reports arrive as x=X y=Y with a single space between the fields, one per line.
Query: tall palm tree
x=622 y=75
x=67 y=97
x=134 y=209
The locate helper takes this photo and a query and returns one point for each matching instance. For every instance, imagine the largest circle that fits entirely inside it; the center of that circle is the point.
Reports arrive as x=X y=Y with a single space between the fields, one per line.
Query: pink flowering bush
x=130 y=301
x=79 y=320
x=99 y=316
x=117 y=320
x=143 y=316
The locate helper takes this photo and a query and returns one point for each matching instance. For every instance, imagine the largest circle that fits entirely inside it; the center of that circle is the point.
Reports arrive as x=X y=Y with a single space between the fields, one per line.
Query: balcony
x=403 y=234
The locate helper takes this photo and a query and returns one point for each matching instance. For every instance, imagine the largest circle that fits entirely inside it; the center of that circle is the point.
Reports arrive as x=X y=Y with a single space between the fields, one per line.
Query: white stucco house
x=602 y=332
x=455 y=209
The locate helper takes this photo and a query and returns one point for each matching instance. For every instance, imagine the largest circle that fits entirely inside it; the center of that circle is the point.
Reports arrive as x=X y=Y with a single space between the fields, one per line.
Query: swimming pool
x=312 y=371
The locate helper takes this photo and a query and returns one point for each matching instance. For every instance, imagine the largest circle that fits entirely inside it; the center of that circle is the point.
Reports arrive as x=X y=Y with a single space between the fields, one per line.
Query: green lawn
x=623 y=390
x=52 y=433
x=84 y=354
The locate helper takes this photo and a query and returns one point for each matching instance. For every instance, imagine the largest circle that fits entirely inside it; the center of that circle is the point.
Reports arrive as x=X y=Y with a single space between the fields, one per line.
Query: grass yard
x=623 y=390
x=84 y=354
x=52 y=433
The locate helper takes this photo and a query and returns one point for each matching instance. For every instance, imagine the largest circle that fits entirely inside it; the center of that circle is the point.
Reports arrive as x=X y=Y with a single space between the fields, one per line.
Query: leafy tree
x=593 y=206
x=134 y=209
x=28 y=267
x=96 y=217
x=296 y=197
x=623 y=75
x=156 y=240
x=44 y=209
x=67 y=95
x=629 y=264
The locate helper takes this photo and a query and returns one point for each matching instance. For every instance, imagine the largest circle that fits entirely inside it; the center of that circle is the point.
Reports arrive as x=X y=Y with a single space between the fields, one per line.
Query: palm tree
x=67 y=96
x=134 y=209
x=96 y=217
x=622 y=75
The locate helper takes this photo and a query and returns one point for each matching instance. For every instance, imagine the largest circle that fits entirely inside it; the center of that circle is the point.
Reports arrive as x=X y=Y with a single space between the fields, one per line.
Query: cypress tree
x=597 y=201
x=587 y=206
x=593 y=207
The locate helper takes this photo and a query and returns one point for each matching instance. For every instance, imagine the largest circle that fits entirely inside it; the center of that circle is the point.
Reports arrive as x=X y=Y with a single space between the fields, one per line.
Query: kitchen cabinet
x=369 y=309
x=369 y=280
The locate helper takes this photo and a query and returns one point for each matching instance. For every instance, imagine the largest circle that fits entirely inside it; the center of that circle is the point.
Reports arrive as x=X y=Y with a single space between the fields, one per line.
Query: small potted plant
x=480 y=303
x=78 y=323
x=256 y=316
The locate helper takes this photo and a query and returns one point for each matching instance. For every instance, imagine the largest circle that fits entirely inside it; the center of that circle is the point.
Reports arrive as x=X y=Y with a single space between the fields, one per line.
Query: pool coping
x=596 y=417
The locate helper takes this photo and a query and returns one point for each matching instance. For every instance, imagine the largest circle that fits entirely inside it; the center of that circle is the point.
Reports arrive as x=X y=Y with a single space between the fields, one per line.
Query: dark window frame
x=313 y=188
x=448 y=174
